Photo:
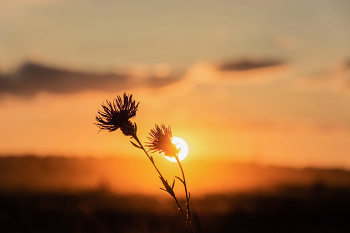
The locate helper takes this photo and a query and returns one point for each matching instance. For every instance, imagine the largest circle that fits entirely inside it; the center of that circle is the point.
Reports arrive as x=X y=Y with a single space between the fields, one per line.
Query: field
x=318 y=207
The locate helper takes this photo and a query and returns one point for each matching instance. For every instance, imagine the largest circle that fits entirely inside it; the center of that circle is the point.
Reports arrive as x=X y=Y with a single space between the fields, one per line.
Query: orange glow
x=131 y=175
x=180 y=144
x=54 y=125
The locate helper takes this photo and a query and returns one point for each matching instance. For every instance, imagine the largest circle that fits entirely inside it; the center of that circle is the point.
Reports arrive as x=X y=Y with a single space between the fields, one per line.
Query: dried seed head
x=116 y=115
x=160 y=140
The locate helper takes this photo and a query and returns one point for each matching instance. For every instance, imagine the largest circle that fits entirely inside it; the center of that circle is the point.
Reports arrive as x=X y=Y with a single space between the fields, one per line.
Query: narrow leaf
x=163 y=181
x=172 y=186
x=180 y=179
x=167 y=189
x=135 y=145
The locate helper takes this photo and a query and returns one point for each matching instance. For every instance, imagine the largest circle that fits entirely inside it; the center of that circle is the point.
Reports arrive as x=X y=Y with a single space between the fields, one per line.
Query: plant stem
x=188 y=218
x=150 y=158
x=152 y=161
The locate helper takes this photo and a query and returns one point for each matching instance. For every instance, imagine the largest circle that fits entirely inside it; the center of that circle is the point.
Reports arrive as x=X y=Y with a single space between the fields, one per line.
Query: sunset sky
x=249 y=81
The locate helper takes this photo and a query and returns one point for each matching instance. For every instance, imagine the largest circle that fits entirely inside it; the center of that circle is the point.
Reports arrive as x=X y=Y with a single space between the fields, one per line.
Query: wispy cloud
x=298 y=125
x=245 y=65
x=31 y=79
x=239 y=72
x=335 y=78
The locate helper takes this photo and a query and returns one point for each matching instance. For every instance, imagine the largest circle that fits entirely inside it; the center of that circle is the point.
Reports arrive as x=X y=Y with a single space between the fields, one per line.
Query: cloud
x=155 y=82
x=245 y=65
x=32 y=78
x=335 y=78
x=238 y=72
x=222 y=75
x=211 y=73
x=291 y=126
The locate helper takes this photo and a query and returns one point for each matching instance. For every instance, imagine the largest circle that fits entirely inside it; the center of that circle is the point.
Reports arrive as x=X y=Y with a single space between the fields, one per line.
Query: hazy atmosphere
x=259 y=90
x=270 y=79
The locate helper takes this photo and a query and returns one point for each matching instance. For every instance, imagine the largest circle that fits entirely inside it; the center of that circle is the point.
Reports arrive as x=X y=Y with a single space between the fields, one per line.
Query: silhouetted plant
x=117 y=114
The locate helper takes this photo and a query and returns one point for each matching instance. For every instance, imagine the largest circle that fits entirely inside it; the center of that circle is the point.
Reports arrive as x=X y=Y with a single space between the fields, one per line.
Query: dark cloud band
x=31 y=79
x=245 y=65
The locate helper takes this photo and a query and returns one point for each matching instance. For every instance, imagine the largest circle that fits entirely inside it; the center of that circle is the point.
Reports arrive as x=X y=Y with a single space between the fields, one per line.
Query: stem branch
x=161 y=176
x=188 y=218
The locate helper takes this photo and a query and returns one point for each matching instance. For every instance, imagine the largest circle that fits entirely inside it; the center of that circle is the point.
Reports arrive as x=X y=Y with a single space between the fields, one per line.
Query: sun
x=179 y=143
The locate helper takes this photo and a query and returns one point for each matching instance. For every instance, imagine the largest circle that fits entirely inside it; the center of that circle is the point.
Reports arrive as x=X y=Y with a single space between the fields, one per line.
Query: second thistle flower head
x=160 y=140
x=116 y=115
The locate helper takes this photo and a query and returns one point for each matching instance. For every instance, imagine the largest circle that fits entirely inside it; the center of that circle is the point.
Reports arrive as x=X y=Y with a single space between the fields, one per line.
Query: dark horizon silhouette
x=54 y=173
x=35 y=204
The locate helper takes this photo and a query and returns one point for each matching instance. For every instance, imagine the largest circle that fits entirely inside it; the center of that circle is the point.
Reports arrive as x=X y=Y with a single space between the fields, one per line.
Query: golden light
x=179 y=143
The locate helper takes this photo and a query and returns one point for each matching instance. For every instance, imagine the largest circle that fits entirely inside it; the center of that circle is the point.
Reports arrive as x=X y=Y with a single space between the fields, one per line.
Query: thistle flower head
x=160 y=140
x=116 y=114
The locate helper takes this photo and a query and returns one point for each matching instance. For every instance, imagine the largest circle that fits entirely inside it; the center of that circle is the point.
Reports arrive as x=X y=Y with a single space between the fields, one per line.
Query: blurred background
x=259 y=90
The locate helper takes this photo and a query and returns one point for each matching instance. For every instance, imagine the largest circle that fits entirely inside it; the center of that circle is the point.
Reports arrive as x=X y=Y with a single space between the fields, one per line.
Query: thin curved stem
x=188 y=218
x=161 y=176
x=149 y=157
